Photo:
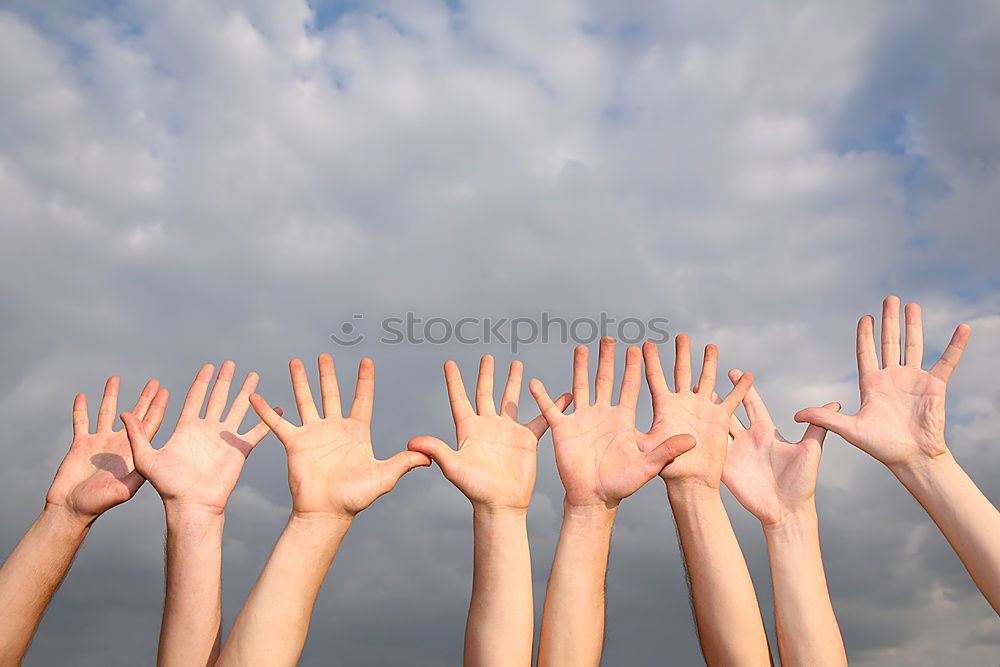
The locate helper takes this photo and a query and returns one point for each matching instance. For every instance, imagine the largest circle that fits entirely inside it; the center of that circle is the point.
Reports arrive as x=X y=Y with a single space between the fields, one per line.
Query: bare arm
x=96 y=475
x=602 y=459
x=901 y=423
x=194 y=473
x=332 y=474
x=776 y=481
x=726 y=611
x=494 y=466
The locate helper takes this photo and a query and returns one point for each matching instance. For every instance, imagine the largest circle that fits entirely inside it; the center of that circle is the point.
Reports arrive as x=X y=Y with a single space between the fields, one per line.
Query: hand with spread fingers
x=333 y=475
x=770 y=476
x=195 y=472
x=200 y=463
x=730 y=628
x=494 y=466
x=902 y=415
x=96 y=475
x=98 y=472
x=775 y=480
x=602 y=458
x=332 y=468
x=692 y=411
x=901 y=423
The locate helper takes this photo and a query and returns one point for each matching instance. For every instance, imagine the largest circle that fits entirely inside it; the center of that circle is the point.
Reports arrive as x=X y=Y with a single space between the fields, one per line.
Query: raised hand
x=494 y=465
x=692 y=411
x=332 y=469
x=770 y=476
x=201 y=461
x=902 y=415
x=601 y=456
x=98 y=472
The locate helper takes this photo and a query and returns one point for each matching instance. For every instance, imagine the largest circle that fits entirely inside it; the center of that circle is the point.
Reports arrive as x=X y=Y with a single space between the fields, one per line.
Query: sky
x=187 y=182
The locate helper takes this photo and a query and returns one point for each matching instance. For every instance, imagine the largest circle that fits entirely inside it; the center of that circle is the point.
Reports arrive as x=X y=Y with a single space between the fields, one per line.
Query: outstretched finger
x=541 y=423
x=631 y=378
x=546 y=405
x=581 y=376
x=945 y=366
x=512 y=391
x=328 y=386
x=259 y=431
x=484 y=387
x=457 y=396
x=752 y=403
x=154 y=415
x=657 y=384
x=81 y=422
x=738 y=393
x=682 y=363
x=364 y=392
x=219 y=396
x=238 y=410
x=668 y=450
x=816 y=434
x=280 y=427
x=145 y=398
x=890 y=332
x=914 y=350
x=303 y=394
x=435 y=449
x=604 y=384
x=393 y=468
x=142 y=452
x=709 y=368
x=109 y=405
x=196 y=394
x=867 y=357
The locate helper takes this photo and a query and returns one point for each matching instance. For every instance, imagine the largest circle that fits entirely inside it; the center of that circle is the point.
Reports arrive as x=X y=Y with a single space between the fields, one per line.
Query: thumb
x=142 y=452
x=815 y=432
x=433 y=448
x=842 y=425
x=668 y=450
x=399 y=464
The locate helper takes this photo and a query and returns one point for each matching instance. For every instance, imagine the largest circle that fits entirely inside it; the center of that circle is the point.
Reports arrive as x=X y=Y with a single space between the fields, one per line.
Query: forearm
x=807 y=628
x=30 y=576
x=192 y=607
x=730 y=628
x=965 y=516
x=573 y=619
x=500 y=625
x=272 y=626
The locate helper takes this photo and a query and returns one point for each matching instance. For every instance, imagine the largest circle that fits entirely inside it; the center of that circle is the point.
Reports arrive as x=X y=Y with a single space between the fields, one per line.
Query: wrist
x=186 y=508
x=499 y=511
x=792 y=525
x=64 y=521
x=923 y=467
x=691 y=489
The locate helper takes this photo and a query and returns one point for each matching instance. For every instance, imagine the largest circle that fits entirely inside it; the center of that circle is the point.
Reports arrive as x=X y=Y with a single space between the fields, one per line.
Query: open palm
x=770 y=476
x=692 y=411
x=494 y=464
x=98 y=472
x=332 y=468
x=597 y=447
x=902 y=414
x=201 y=461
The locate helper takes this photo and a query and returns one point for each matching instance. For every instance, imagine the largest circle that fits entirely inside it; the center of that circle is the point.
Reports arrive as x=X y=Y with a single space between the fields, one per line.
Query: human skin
x=901 y=423
x=494 y=466
x=727 y=615
x=97 y=474
x=332 y=475
x=194 y=473
x=601 y=462
x=775 y=480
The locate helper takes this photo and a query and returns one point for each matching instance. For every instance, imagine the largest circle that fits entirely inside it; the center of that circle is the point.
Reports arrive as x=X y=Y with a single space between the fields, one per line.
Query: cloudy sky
x=186 y=182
